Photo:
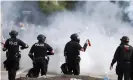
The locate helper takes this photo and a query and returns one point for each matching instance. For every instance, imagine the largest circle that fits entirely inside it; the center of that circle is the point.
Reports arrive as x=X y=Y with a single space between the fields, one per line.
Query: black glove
x=19 y=55
x=85 y=46
x=111 y=66
x=26 y=46
x=4 y=49
x=32 y=57
x=22 y=48
x=49 y=53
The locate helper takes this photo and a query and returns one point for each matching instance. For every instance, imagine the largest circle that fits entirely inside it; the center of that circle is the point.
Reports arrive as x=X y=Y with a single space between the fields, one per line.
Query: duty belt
x=127 y=62
x=45 y=57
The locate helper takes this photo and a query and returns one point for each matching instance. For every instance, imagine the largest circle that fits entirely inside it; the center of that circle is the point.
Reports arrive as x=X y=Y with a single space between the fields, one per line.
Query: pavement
x=22 y=73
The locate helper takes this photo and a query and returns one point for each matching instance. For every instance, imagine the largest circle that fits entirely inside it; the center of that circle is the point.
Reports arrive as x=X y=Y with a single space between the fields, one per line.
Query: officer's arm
x=31 y=53
x=116 y=55
x=50 y=49
x=80 y=47
x=5 y=45
x=86 y=44
x=84 y=47
x=24 y=45
x=65 y=50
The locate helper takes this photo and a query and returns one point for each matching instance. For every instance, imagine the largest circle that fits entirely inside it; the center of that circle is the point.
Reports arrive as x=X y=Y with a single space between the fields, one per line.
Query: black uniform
x=123 y=56
x=38 y=54
x=72 y=52
x=12 y=63
x=131 y=74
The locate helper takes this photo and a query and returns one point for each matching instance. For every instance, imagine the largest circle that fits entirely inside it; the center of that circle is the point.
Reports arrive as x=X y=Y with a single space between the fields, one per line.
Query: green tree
x=53 y=6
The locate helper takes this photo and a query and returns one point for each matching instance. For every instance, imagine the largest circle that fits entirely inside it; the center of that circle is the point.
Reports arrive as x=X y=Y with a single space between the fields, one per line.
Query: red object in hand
x=89 y=43
x=3 y=44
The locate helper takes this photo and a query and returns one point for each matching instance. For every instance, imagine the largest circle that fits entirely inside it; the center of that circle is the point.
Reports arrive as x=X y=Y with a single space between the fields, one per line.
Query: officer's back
x=38 y=53
x=13 y=57
x=71 y=52
x=125 y=52
x=13 y=43
x=40 y=49
x=72 y=48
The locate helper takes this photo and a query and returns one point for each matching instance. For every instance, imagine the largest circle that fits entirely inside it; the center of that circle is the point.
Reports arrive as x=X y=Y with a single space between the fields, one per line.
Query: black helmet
x=124 y=39
x=75 y=37
x=41 y=37
x=13 y=33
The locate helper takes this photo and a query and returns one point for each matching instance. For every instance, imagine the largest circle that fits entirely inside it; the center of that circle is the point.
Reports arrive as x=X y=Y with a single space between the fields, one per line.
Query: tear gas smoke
x=98 y=21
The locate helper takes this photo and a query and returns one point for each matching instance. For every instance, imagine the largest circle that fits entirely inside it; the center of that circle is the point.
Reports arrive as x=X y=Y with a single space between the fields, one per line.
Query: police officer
x=131 y=72
x=38 y=53
x=123 y=56
x=12 y=47
x=71 y=52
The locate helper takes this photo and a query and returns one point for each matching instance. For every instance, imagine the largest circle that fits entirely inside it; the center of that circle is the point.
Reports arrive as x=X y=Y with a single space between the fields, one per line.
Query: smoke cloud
x=99 y=21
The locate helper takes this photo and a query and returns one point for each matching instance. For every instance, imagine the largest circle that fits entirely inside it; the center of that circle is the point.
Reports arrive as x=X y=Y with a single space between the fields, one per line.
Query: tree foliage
x=53 y=6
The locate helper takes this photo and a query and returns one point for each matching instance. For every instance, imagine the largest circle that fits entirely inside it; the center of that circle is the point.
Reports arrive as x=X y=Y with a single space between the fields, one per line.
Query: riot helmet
x=13 y=33
x=75 y=37
x=41 y=38
x=124 y=39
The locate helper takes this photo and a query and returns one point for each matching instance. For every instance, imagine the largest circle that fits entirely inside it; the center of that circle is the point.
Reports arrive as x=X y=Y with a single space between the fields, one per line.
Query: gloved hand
x=33 y=59
x=22 y=48
x=4 y=49
x=26 y=46
x=111 y=66
x=34 y=62
x=50 y=53
x=88 y=42
x=31 y=56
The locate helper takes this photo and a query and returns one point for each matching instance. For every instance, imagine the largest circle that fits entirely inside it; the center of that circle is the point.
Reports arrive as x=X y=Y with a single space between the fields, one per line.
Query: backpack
x=32 y=73
x=64 y=68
